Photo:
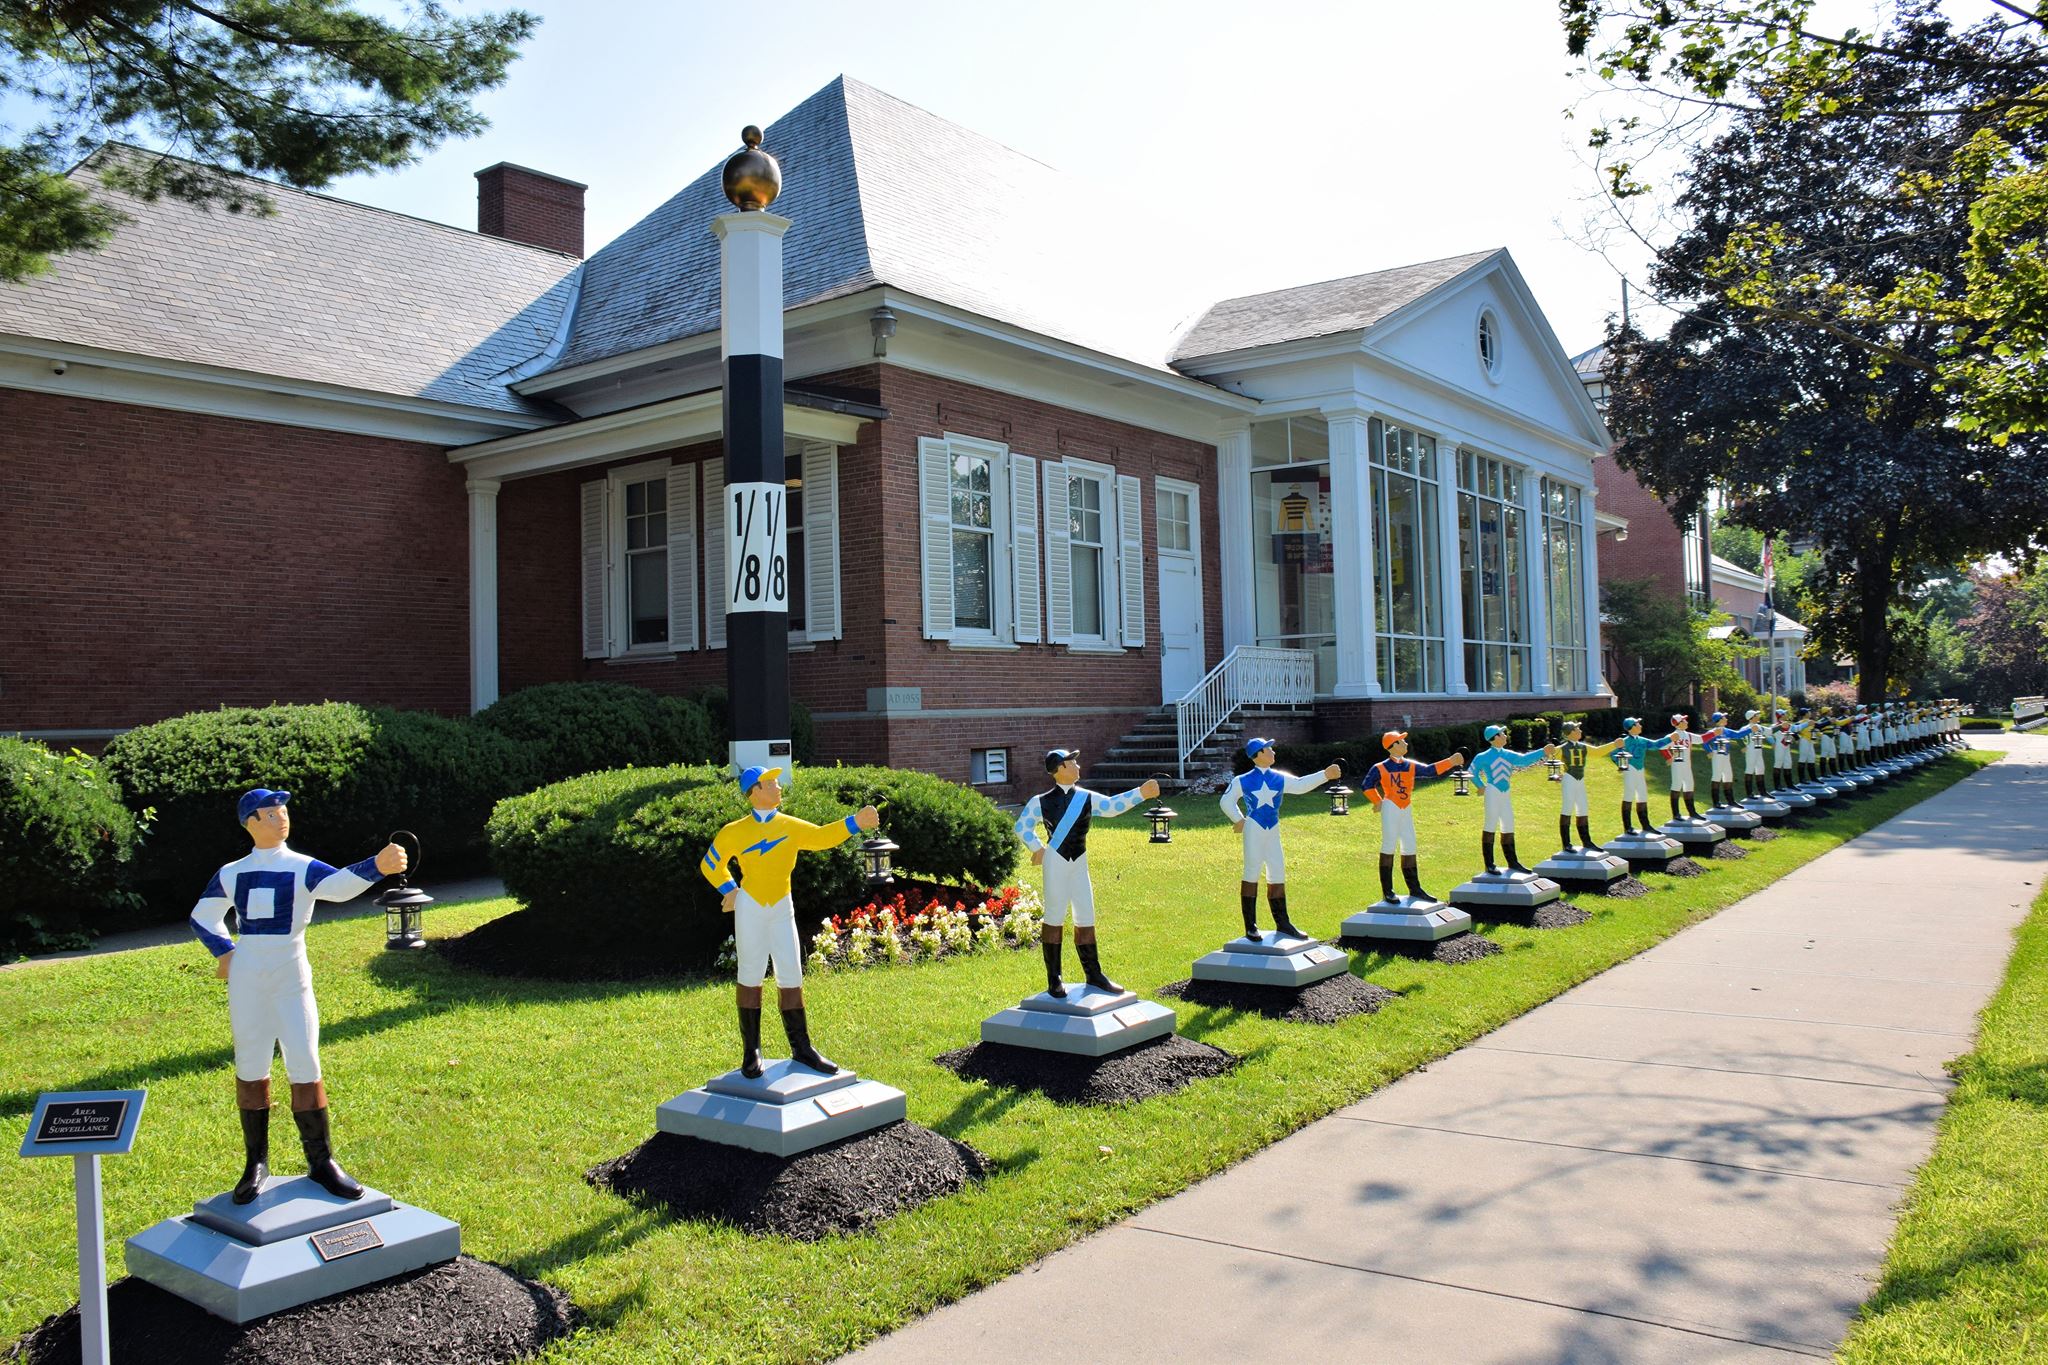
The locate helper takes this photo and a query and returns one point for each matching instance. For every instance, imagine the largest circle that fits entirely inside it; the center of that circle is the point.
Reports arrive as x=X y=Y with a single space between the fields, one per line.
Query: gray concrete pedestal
x=1693 y=833
x=1793 y=797
x=1512 y=892
x=1087 y=1023
x=1734 y=819
x=1273 y=961
x=1408 y=919
x=788 y=1109
x=1577 y=867
x=295 y=1243
x=1769 y=810
x=1644 y=850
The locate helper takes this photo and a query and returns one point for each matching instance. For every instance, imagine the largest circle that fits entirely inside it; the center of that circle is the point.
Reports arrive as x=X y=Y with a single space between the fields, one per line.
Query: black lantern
x=1162 y=817
x=1340 y=800
x=877 y=850
x=1461 y=779
x=403 y=903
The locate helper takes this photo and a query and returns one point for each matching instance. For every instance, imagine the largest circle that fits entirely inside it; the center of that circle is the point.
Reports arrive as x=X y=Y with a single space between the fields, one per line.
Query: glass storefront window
x=1490 y=556
x=1404 y=544
x=1294 y=590
x=1564 y=551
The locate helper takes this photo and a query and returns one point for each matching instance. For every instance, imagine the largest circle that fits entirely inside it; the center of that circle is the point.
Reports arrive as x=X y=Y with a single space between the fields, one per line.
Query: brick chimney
x=529 y=206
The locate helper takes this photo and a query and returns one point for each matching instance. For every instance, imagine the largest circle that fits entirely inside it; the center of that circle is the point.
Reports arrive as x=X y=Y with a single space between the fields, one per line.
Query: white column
x=1234 y=532
x=1536 y=575
x=1589 y=571
x=1451 y=567
x=1351 y=559
x=483 y=592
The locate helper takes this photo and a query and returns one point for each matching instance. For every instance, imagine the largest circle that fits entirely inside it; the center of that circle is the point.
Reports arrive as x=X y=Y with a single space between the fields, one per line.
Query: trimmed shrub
x=1982 y=723
x=65 y=844
x=583 y=727
x=192 y=767
x=355 y=774
x=616 y=856
x=803 y=732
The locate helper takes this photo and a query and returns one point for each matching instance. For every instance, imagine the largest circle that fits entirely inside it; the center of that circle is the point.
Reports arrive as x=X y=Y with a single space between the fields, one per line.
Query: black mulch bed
x=1728 y=851
x=1452 y=951
x=1683 y=867
x=1558 y=915
x=1762 y=834
x=461 y=1312
x=844 y=1186
x=1626 y=889
x=1320 y=1002
x=1159 y=1067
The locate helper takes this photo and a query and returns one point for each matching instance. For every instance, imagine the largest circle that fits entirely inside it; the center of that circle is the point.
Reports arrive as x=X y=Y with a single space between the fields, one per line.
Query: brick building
x=341 y=453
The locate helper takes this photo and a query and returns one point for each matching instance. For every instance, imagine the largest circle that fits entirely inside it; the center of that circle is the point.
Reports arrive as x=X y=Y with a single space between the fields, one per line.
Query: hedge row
x=615 y=855
x=66 y=842
x=355 y=774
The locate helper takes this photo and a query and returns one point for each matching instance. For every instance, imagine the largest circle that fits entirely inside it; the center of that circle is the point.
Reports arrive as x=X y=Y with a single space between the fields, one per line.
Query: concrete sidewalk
x=1696 y=1156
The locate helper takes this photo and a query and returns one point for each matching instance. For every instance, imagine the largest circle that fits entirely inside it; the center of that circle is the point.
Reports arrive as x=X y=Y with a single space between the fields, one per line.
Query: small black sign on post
x=85 y=1125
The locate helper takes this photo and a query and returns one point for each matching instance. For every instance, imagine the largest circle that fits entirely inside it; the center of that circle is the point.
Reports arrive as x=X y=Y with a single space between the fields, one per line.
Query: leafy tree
x=1669 y=642
x=2005 y=638
x=1968 y=309
x=305 y=91
x=1791 y=420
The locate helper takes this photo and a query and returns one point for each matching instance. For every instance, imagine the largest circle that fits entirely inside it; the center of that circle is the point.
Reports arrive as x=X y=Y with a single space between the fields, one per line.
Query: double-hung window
x=1564 y=549
x=979 y=541
x=1088 y=555
x=642 y=511
x=639 y=560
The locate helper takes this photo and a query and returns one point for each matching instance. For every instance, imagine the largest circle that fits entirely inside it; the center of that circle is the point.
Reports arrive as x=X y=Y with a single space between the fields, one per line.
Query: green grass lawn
x=1967 y=1277
x=485 y=1099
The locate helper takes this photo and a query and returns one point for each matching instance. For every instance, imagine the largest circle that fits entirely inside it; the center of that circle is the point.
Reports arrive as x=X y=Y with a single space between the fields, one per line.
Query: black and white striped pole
x=757 y=569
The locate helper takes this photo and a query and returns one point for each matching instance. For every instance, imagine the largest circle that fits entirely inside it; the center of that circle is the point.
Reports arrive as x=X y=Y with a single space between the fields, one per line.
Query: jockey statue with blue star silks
x=1260 y=792
x=749 y=862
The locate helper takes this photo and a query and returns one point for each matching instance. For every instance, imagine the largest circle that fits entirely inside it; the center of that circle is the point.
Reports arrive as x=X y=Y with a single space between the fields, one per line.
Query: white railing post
x=1248 y=675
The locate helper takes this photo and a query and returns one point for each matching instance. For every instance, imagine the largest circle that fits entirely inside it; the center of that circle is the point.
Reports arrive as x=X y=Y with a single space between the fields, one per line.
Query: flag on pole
x=1769 y=581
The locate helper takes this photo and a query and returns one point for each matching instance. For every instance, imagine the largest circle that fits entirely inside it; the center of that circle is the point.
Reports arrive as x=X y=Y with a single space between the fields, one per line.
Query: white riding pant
x=1397 y=829
x=1806 y=751
x=1723 y=766
x=270 y=1007
x=1574 y=795
x=1067 y=888
x=1500 y=811
x=765 y=934
x=1262 y=852
x=1681 y=774
x=1753 y=763
x=1635 y=784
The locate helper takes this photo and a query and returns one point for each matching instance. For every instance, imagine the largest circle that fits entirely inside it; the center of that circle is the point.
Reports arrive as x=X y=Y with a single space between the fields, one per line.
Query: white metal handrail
x=1249 y=675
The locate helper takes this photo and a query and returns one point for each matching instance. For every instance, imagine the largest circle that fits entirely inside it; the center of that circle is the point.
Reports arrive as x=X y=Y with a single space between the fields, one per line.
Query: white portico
x=1413 y=501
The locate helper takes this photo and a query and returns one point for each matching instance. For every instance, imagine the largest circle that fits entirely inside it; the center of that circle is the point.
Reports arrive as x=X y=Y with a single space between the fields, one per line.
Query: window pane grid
x=647 y=562
x=1564 y=548
x=1404 y=536
x=1497 y=653
x=973 y=499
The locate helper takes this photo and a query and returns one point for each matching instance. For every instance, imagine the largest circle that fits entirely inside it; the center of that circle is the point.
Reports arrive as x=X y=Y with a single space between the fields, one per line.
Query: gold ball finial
x=752 y=177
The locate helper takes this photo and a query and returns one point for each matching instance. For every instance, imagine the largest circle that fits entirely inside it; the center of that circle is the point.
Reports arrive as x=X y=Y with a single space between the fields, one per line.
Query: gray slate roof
x=324 y=290
x=1330 y=308
x=879 y=192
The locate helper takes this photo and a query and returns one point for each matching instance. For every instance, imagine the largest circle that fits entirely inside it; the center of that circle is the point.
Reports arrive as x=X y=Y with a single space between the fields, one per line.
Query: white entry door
x=1182 y=653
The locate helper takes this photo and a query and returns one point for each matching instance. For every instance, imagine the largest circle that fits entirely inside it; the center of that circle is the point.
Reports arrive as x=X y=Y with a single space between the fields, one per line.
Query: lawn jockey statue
x=1678 y=749
x=1755 y=735
x=1493 y=768
x=749 y=863
x=1721 y=765
x=1065 y=811
x=1632 y=757
x=1251 y=802
x=270 y=985
x=1390 y=786
x=1573 y=752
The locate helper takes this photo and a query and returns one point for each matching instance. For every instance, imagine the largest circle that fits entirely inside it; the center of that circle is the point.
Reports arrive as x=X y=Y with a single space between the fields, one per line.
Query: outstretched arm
x=1308 y=782
x=1107 y=806
x=813 y=838
x=1525 y=760
x=346 y=883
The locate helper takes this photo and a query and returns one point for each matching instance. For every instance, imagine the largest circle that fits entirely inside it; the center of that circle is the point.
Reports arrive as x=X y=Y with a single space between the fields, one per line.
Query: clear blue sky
x=1259 y=146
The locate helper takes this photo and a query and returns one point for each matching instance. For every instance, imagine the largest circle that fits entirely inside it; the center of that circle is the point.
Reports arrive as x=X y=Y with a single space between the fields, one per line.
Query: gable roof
x=879 y=192
x=1328 y=308
x=321 y=290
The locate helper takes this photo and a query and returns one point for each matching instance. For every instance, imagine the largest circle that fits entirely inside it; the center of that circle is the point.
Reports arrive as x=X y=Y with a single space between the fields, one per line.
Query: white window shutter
x=1059 y=561
x=596 y=573
x=1130 y=556
x=935 y=518
x=714 y=553
x=682 y=557
x=1024 y=546
x=821 y=540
